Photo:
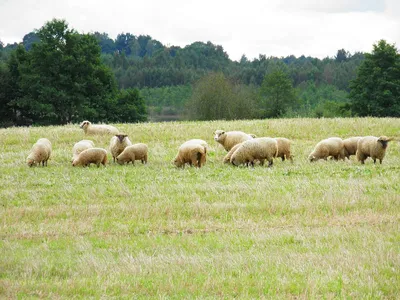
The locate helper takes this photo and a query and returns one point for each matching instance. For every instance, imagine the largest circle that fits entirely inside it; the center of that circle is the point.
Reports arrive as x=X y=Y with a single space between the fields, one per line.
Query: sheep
x=370 y=146
x=192 y=152
x=118 y=143
x=228 y=139
x=333 y=146
x=91 y=156
x=350 y=146
x=255 y=149
x=132 y=153
x=227 y=158
x=89 y=128
x=40 y=153
x=284 y=148
x=80 y=146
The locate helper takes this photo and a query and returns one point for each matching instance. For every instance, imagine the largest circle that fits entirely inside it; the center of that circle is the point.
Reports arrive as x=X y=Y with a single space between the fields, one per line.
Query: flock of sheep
x=243 y=149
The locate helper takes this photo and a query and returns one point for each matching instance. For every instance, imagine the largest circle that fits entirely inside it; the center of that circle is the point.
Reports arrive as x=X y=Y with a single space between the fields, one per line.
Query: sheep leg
x=270 y=163
x=261 y=162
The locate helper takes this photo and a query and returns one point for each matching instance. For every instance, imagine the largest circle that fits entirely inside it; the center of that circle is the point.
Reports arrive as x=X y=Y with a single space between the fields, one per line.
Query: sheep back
x=133 y=152
x=95 y=156
x=255 y=149
x=228 y=139
x=333 y=146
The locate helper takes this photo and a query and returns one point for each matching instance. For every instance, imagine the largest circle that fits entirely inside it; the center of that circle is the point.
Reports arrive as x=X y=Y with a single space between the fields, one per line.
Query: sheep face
x=31 y=162
x=84 y=124
x=312 y=158
x=384 y=140
x=121 y=137
x=177 y=163
x=219 y=135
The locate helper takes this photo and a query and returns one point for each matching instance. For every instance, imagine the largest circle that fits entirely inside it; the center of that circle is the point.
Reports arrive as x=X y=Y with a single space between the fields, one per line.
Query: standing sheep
x=228 y=139
x=89 y=128
x=95 y=156
x=80 y=146
x=192 y=152
x=40 y=153
x=118 y=143
x=284 y=148
x=132 y=153
x=350 y=146
x=255 y=149
x=329 y=147
x=370 y=146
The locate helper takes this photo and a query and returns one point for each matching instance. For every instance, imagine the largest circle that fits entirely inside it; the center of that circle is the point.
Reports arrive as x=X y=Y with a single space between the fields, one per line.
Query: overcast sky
x=251 y=27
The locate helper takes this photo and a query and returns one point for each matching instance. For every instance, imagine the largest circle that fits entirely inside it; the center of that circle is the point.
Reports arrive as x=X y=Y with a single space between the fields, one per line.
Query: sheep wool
x=255 y=149
x=350 y=146
x=40 y=153
x=118 y=143
x=133 y=152
x=284 y=148
x=192 y=152
x=95 y=156
x=227 y=158
x=333 y=146
x=374 y=147
x=228 y=139
x=80 y=146
x=89 y=128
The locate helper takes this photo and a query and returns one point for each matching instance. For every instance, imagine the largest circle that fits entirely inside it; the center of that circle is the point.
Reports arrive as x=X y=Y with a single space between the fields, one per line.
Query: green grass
x=303 y=230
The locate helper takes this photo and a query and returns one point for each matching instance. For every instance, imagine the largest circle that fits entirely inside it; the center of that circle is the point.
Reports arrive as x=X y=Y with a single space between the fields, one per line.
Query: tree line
x=193 y=82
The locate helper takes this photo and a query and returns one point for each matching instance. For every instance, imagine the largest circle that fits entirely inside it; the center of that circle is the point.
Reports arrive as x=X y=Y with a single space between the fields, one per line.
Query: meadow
x=303 y=230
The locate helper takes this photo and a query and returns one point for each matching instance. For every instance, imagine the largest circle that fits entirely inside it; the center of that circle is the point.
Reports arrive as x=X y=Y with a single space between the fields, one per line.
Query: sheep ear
x=222 y=132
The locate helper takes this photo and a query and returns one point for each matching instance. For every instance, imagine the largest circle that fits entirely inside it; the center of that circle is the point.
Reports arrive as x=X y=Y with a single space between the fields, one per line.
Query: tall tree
x=278 y=92
x=376 y=89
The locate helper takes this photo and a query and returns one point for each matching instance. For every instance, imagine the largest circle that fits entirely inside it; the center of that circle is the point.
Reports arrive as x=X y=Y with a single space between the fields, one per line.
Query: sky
x=251 y=27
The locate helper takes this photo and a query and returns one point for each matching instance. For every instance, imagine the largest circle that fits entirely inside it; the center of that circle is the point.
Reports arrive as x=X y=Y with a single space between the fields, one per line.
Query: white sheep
x=133 y=152
x=80 y=146
x=95 y=156
x=228 y=139
x=284 y=148
x=118 y=143
x=255 y=149
x=192 y=152
x=374 y=147
x=350 y=146
x=89 y=128
x=40 y=153
x=333 y=146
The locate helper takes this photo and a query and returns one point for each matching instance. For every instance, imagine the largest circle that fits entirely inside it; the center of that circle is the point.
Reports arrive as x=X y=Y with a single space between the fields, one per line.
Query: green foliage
x=278 y=93
x=130 y=107
x=215 y=97
x=376 y=90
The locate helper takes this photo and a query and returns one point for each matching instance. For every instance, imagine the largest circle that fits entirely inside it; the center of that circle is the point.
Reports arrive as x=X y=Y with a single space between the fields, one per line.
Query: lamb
x=333 y=146
x=255 y=149
x=192 y=152
x=228 y=139
x=40 y=153
x=370 y=146
x=118 y=143
x=91 y=156
x=80 y=146
x=89 y=128
x=350 y=146
x=132 y=153
x=284 y=148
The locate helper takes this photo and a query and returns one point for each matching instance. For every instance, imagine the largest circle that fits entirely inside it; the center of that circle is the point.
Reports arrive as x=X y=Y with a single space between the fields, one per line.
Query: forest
x=57 y=76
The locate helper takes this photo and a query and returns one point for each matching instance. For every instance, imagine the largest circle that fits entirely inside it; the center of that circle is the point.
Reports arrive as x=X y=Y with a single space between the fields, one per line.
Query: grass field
x=303 y=230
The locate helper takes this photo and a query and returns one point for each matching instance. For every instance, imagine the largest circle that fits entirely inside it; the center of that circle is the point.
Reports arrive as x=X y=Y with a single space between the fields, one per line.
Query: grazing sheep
x=284 y=148
x=228 y=139
x=370 y=146
x=192 y=152
x=80 y=146
x=329 y=147
x=40 y=153
x=95 y=156
x=132 y=153
x=89 y=128
x=350 y=146
x=255 y=149
x=227 y=158
x=118 y=143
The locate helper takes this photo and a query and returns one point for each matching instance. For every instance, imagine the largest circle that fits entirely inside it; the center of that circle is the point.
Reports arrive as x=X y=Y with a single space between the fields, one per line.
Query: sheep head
x=384 y=140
